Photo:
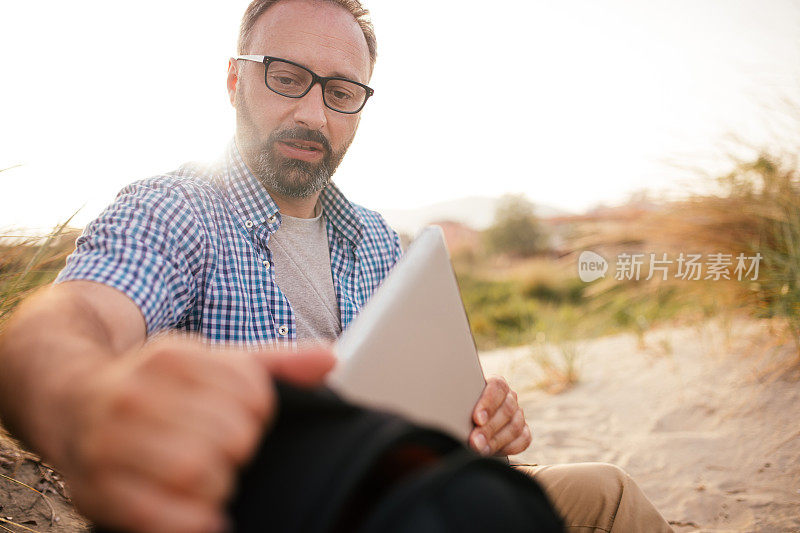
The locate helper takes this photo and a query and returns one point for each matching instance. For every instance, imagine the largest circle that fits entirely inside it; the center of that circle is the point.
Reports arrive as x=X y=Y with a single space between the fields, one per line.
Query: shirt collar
x=256 y=206
x=341 y=213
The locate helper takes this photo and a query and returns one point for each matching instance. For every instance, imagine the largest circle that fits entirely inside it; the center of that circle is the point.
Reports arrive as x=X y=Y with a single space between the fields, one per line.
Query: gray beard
x=287 y=177
x=292 y=178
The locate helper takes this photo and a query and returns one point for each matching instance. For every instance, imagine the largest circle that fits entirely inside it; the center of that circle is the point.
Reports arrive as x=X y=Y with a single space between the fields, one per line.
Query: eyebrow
x=335 y=74
x=338 y=74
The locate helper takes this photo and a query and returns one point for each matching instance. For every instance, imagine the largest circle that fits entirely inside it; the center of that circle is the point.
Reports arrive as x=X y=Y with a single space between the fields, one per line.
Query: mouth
x=301 y=149
x=308 y=146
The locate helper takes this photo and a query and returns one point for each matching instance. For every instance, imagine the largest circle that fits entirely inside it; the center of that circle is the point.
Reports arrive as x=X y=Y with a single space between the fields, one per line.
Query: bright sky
x=573 y=102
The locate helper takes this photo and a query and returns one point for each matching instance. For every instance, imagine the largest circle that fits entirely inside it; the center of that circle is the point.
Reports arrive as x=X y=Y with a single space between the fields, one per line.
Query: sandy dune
x=706 y=419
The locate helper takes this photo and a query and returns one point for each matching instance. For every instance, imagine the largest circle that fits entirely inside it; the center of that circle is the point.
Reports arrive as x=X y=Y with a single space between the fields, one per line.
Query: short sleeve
x=147 y=245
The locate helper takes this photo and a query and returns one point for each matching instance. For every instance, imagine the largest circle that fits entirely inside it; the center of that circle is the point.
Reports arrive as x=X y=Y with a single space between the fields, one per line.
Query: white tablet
x=410 y=350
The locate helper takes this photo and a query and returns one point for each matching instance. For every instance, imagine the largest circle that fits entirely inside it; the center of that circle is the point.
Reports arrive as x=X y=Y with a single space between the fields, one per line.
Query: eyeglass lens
x=291 y=80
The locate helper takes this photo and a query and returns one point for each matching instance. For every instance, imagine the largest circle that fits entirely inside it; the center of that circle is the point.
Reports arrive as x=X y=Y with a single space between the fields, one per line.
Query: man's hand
x=156 y=436
x=499 y=420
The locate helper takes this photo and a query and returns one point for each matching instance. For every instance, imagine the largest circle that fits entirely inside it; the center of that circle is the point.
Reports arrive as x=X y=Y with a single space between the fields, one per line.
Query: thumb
x=307 y=367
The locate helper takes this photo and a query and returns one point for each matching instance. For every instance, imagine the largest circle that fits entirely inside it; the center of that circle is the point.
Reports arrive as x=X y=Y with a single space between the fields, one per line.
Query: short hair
x=354 y=7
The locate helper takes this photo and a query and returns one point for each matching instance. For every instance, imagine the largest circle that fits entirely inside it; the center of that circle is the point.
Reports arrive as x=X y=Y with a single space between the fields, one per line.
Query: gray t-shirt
x=302 y=263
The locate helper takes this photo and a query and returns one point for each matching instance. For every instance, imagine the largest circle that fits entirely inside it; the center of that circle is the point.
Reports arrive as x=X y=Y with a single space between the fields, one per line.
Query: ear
x=233 y=79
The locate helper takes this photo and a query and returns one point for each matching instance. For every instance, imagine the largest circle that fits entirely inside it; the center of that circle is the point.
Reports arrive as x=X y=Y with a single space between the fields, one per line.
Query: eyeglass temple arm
x=257 y=59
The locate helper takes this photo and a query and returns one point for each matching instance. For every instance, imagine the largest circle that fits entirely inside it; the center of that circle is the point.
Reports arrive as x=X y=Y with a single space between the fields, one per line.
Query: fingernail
x=483 y=417
x=482 y=445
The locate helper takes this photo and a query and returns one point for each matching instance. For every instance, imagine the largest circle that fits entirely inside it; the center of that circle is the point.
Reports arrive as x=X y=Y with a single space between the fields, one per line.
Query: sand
x=706 y=419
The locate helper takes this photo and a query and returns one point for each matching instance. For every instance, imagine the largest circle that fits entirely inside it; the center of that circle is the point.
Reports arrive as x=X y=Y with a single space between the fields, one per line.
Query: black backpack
x=329 y=467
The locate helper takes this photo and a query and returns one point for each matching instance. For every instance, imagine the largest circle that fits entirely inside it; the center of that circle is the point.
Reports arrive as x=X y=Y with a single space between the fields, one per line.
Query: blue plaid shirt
x=190 y=249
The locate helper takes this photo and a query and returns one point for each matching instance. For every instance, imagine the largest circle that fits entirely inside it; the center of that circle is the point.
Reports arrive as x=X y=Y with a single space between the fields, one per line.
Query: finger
x=222 y=423
x=209 y=416
x=491 y=399
x=230 y=372
x=482 y=437
x=315 y=344
x=214 y=419
x=502 y=416
x=479 y=443
x=520 y=444
x=171 y=460
x=306 y=368
x=239 y=377
x=128 y=502
x=508 y=433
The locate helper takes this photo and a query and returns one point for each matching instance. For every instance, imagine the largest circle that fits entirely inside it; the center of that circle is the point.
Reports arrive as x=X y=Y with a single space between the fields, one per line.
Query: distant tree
x=516 y=230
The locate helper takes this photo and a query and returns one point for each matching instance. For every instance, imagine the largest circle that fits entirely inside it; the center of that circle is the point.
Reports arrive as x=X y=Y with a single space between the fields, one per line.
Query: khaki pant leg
x=598 y=497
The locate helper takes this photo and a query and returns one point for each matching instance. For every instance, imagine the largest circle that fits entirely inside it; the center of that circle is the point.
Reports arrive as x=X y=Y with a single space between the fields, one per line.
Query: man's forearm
x=51 y=341
x=149 y=437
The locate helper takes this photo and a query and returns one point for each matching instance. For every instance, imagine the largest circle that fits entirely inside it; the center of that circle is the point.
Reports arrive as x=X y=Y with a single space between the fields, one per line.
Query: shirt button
x=249 y=224
x=272 y=219
x=283 y=330
x=266 y=264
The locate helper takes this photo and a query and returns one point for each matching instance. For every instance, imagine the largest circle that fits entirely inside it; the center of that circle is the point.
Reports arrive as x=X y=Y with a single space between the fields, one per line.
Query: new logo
x=591 y=266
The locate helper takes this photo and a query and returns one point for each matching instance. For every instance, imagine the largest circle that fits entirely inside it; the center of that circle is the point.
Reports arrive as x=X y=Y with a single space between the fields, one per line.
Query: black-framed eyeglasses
x=292 y=80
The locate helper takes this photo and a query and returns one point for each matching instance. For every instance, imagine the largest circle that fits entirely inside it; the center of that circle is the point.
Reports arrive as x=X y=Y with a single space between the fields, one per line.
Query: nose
x=310 y=109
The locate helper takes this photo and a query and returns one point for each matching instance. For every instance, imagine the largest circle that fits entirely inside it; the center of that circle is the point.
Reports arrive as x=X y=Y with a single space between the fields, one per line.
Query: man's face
x=293 y=145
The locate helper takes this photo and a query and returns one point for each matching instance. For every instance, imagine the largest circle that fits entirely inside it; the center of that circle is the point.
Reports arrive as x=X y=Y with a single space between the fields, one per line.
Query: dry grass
x=27 y=263
x=559 y=366
x=755 y=211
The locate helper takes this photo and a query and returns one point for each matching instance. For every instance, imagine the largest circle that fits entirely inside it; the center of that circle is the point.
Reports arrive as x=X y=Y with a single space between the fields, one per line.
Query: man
x=259 y=251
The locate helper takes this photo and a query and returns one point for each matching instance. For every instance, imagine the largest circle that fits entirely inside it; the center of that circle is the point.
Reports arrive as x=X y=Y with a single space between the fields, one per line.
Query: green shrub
x=516 y=230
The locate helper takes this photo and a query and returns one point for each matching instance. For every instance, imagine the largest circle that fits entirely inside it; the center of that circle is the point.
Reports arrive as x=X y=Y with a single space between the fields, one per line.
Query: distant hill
x=477 y=212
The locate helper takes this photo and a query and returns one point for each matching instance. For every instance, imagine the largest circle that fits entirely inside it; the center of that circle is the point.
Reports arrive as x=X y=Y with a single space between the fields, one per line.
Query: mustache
x=300 y=134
